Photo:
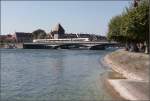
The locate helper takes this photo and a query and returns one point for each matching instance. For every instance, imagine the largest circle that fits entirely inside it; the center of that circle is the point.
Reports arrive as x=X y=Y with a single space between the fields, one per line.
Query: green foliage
x=132 y=25
x=115 y=29
x=39 y=34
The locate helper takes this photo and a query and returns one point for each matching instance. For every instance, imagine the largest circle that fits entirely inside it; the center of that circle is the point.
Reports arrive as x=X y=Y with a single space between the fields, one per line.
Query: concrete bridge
x=70 y=45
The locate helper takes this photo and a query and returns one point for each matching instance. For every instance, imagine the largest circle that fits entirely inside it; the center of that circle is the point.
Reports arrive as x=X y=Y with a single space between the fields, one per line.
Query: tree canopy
x=132 y=25
x=39 y=34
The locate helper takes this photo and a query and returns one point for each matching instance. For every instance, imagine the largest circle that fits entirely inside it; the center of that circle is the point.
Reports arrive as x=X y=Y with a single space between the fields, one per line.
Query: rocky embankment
x=134 y=67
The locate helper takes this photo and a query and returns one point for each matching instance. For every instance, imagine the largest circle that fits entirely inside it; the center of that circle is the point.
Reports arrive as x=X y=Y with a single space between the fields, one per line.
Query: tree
x=39 y=34
x=143 y=15
x=132 y=26
x=136 y=24
x=114 y=29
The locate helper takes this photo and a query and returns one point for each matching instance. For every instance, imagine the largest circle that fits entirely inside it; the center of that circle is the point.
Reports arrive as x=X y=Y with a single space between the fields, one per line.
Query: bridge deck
x=71 y=42
x=68 y=45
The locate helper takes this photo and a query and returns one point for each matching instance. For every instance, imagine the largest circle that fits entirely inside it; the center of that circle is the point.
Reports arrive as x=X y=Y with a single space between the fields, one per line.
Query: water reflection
x=45 y=75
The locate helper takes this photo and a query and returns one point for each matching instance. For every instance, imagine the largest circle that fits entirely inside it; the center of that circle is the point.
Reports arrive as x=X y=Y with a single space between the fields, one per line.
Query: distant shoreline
x=6 y=45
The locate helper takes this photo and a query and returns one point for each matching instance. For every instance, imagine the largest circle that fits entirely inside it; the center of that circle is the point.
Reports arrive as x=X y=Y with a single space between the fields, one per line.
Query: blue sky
x=74 y=16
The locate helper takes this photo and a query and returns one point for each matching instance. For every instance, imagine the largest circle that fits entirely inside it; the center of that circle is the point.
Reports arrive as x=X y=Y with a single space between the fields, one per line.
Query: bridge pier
x=98 y=47
x=36 y=46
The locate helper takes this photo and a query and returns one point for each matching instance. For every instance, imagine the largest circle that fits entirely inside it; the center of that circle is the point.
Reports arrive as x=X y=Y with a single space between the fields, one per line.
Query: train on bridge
x=72 y=43
x=60 y=40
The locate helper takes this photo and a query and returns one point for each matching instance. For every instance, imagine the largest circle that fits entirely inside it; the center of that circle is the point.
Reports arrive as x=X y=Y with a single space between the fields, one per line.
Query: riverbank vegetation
x=39 y=34
x=132 y=27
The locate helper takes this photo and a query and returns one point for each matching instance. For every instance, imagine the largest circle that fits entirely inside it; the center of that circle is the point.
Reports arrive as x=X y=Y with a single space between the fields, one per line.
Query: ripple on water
x=37 y=75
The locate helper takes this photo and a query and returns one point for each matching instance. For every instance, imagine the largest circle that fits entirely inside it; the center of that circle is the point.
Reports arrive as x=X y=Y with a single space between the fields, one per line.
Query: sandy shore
x=134 y=67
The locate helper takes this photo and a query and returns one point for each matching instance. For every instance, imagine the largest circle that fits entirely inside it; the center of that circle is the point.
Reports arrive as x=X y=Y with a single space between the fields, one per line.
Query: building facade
x=22 y=37
x=57 y=32
x=7 y=38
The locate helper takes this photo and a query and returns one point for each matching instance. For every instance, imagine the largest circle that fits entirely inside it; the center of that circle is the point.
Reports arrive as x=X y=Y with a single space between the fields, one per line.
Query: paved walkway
x=131 y=90
x=135 y=68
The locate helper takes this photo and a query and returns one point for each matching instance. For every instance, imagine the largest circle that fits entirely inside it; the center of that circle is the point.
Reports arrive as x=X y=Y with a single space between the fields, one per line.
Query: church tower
x=58 y=31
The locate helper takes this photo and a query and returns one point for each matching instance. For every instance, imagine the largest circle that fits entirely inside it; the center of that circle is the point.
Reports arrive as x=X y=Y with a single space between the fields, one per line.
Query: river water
x=47 y=75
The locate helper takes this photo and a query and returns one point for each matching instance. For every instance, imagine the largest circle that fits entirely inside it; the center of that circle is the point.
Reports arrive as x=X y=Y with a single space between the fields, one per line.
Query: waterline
x=37 y=75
